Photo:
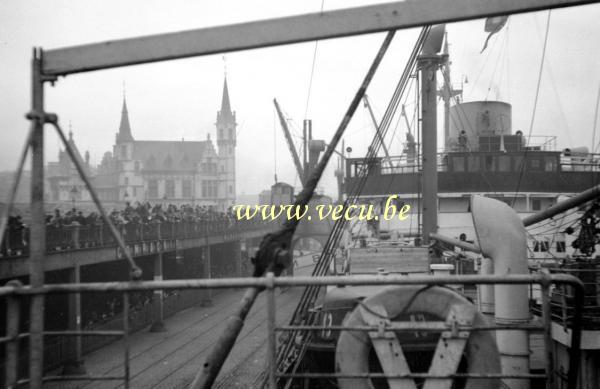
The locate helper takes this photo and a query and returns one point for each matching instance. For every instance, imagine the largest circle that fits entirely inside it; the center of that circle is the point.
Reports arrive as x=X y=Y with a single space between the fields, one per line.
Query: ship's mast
x=447 y=91
x=428 y=63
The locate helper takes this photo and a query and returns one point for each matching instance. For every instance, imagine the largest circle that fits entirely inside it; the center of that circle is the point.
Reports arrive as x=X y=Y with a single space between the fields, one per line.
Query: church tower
x=123 y=154
x=226 y=142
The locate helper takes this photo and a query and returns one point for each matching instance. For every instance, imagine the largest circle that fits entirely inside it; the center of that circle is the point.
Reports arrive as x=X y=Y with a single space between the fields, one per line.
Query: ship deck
x=169 y=360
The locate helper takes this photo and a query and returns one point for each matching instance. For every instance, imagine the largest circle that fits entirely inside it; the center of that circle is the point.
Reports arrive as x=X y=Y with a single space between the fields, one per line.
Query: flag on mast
x=493 y=25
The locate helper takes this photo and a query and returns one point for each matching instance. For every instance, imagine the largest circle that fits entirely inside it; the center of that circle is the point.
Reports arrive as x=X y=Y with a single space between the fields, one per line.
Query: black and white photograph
x=317 y=194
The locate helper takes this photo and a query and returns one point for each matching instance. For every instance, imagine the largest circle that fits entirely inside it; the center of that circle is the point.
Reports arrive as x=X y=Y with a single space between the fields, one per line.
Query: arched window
x=168 y=162
x=151 y=162
x=185 y=161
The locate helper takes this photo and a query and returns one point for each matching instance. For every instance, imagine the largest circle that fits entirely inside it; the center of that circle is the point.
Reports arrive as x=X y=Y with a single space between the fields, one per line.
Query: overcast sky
x=179 y=99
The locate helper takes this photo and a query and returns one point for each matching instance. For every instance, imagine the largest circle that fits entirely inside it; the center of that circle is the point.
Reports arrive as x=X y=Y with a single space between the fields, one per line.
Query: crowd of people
x=15 y=241
x=143 y=213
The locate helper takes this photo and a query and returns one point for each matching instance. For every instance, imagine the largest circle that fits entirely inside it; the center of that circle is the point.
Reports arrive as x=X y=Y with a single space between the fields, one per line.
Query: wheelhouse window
x=518 y=163
x=473 y=164
x=536 y=204
x=550 y=164
x=458 y=164
x=504 y=163
x=535 y=163
x=489 y=163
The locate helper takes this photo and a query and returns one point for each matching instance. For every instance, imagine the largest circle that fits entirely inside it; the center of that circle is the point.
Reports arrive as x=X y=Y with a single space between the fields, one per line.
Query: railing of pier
x=14 y=294
x=75 y=236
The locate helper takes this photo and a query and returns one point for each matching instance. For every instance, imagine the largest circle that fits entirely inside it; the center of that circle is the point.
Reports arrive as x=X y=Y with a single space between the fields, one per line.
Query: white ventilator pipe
x=486 y=292
x=502 y=238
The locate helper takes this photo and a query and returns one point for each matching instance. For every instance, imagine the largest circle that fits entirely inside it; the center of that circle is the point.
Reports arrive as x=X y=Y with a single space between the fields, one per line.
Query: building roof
x=124 y=134
x=225 y=113
x=225 y=104
x=172 y=155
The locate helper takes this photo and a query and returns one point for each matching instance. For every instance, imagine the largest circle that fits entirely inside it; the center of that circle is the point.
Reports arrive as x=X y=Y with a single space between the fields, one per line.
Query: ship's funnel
x=502 y=238
x=482 y=126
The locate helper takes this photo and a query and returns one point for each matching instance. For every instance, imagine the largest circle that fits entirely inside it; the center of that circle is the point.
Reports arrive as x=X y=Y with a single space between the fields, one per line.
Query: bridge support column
x=237 y=258
x=158 y=308
x=74 y=365
x=207 y=298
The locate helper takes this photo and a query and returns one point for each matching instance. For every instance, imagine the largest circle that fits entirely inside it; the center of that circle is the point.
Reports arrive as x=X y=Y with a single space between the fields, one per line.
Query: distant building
x=63 y=179
x=279 y=194
x=162 y=171
x=282 y=194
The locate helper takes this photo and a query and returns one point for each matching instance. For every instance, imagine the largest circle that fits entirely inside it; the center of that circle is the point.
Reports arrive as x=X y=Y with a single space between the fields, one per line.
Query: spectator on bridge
x=128 y=220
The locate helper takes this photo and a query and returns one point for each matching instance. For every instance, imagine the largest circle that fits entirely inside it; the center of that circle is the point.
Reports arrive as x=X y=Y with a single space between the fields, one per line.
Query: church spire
x=124 y=134
x=225 y=105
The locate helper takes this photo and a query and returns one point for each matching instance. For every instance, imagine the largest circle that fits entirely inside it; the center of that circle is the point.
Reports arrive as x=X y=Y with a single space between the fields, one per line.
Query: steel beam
x=280 y=31
x=575 y=201
x=38 y=226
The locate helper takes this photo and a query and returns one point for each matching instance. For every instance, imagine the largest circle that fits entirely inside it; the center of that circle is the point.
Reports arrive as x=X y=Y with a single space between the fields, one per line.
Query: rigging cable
x=594 y=128
x=288 y=354
x=535 y=101
x=499 y=60
x=312 y=70
x=275 y=145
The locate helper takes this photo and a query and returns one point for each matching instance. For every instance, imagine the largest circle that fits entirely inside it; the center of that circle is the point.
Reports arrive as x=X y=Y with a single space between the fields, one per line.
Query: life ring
x=354 y=352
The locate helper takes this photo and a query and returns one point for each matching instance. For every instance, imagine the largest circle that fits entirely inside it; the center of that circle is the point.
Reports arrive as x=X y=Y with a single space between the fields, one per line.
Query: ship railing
x=533 y=142
x=74 y=236
x=15 y=295
x=561 y=298
x=580 y=162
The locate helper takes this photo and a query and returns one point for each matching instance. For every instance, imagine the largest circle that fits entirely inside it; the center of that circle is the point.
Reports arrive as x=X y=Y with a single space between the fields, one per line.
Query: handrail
x=14 y=291
x=75 y=236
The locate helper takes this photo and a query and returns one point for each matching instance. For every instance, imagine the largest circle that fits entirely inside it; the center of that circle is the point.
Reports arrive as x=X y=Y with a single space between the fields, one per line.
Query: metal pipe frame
x=409 y=375
x=262 y=283
x=575 y=201
x=280 y=31
x=420 y=326
x=46 y=66
x=455 y=242
x=270 y=282
x=38 y=226
x=136 y=271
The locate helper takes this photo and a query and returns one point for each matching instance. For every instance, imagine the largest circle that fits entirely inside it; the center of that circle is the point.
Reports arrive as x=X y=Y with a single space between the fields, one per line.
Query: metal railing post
x=271 y=339
x=76 y=231
x=38 y=226
x=126 y=340
x=548 y=342
x=13 y=318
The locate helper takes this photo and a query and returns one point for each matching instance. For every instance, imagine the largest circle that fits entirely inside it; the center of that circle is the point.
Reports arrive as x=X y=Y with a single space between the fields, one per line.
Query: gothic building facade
x=175 y=172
